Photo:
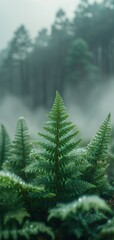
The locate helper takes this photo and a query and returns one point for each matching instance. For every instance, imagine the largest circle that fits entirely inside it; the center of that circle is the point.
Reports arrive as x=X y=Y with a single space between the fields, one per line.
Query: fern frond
x=15 y=192
x=21 y=148
x=27 y=230
x=8 y=179
x=83 y=204
x=80 y=219
x=98 y=147
x=54 y=164
x=5 y=146
x=36 y=229
x=18 y=216
x=107 y=230
x=96 y=155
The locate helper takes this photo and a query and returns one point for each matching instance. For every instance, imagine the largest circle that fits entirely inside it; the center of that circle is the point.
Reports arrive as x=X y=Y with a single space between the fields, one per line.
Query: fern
x=27 y=231
x=83 y=204
x=98 y=147
x=17 y=225
x=61 y=172
x=55 y=164
x=21 y=148
x=79 y=219
x=5 y=146
x=107 y=231
x=96 y=155
x=18 y=216
x=15 y=192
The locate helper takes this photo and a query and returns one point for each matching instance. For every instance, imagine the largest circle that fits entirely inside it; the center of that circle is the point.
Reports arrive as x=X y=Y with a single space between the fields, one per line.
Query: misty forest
x=55 y=183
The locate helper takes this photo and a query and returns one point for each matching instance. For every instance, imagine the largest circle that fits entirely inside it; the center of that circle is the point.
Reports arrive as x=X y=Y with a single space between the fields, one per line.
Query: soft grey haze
x=35 y=14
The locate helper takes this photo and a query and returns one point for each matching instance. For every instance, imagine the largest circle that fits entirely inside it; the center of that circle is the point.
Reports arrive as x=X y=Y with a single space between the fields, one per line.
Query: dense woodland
x=76 y=52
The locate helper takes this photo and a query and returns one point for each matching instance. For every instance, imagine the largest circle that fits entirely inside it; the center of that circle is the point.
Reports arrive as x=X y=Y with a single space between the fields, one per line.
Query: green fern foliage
x=21 y=148
x=33 y=178
x=107 y=231
x=97 y=154
x=79 y=219
x=5 y=146
x=18 y=215
x=17 y=225
x=83 y=204
x=97 y=149
x=15 y=192
x=29 y=230
x=54 y=160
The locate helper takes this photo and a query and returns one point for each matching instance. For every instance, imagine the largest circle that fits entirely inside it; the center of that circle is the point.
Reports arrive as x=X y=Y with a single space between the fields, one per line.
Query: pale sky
x=34 y=14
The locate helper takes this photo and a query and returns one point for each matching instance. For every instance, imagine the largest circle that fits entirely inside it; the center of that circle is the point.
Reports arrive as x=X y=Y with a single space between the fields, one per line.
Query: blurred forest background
x=76 y=57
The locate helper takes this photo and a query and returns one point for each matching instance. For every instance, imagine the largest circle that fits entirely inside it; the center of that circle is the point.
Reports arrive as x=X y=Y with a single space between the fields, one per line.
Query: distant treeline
x=77 y=52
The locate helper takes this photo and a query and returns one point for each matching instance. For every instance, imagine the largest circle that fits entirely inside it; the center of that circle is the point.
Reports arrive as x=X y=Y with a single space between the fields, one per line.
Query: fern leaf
x=80 y=219
x=5 y=146
x=36 y=229
x=53 y=165
x=83 y=204
x=98 y=147
x=15 y=192
x=107 y=230
x=21 y=148
x=27 y=230
x=96 y=155
x=18 y=216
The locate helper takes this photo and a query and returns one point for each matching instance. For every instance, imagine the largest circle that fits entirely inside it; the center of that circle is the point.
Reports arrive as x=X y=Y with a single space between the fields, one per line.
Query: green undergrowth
x=52 y=188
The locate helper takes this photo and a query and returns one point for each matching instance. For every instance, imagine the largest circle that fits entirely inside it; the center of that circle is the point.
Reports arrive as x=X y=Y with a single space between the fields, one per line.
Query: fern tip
x=109 y=116
x=21 y=118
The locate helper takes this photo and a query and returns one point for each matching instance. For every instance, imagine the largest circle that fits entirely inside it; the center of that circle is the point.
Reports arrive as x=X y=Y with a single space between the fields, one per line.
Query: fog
x=35 y=14
x=99 y=104
x=12 y=108
x=61 y=59
x=87 y=119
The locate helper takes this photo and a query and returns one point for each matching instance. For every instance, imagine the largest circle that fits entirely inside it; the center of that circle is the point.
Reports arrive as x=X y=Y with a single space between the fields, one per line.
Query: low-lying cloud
x=88 y=119
x=99 y=103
